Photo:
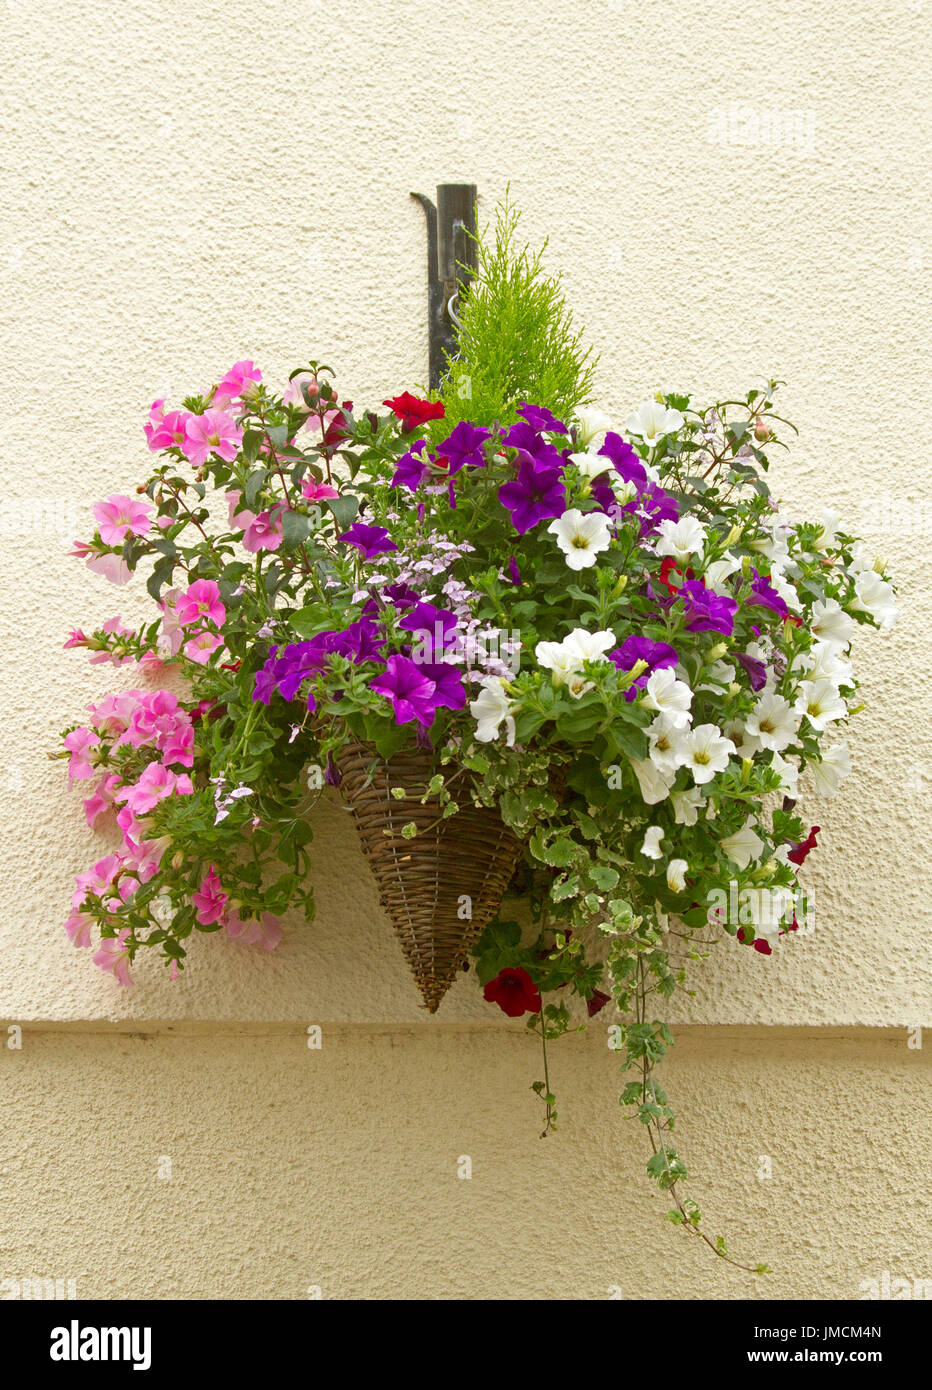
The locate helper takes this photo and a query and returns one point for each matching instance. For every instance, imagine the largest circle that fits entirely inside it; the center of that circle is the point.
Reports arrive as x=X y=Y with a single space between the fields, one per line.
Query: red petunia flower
x=668 y=567
x=759 y=943
x=514 y=992
x=798 y=853
x=412 y=411
x=596 y=1001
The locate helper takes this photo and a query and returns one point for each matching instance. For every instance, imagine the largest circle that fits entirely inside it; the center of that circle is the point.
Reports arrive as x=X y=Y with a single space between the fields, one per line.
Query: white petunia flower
x=744 y=845
x=651 y=846
x=564 y=659
x=717 y=574
x=787 y=772
x=707 y=752
x=745 y=745
x=772 y=722
x=682 y=538
x=666 y=744
x=835 y=764
x=492 y=708
x=652 y=420
x=876 y=597
x=826 y=537
x=591 y=465
x=686 y=805
x=786 y=589
x=676 y=875
x=772 y=909
x=821 y=703
x=831 y=624
x=590 y=646
x=654 y=784
x=823 y=662
x=592 y=423
x=669 y=696
x=581 y=535
x=578 y=686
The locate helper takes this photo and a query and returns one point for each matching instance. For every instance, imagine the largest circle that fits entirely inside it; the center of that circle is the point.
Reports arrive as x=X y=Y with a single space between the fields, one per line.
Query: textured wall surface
x=730 y=194
x=284 y=1169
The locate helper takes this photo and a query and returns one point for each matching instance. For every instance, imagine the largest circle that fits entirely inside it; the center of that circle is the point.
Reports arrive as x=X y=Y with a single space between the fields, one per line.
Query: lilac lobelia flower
x=540 y=418
x=369 y=540
x=707 y=611
x=639 y=648
x=536 y=494
x=412 y=693
x=463 y=446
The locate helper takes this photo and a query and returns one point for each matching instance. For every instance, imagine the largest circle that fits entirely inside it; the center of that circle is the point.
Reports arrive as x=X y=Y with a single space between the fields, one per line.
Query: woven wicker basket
x=422 y=882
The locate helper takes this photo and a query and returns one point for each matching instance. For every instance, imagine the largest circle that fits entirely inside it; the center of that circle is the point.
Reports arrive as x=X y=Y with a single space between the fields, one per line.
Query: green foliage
x=516 y=340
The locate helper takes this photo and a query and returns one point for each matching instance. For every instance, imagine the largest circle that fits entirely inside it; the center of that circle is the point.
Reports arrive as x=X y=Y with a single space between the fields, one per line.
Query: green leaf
x=344 y=509
x=295 y=528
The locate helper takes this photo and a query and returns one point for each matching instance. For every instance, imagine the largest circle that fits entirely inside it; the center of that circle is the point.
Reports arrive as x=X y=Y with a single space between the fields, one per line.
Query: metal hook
x=451 y=260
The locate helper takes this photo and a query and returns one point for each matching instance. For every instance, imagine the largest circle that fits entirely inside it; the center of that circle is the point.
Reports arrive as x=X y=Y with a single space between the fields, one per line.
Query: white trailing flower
x=876 y=597
x=578 y=686
x=669 y=696
x=717 y=574
x=592 y=423
x=830 y=624
x=686 y=805
x=654 y=784
x=821 y=703
x=652 y=420
x=745 y=745
x=565 y=659
x=827 y=774
x=581 y=535
x=787 y=771
x=492 y=708
x=676 y=875
x=744 y=845
x=682 y=538
x=826 y=537
x=772 y=722
x=707 y=752
x=823 y=662
x=651 y=846
x=665 y=738
x=591 y=465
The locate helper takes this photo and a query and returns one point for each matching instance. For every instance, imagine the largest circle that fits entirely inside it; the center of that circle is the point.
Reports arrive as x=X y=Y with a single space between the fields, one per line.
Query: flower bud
x=734 y=535
x=717 y=652
x=761 y=431
x=177 y=860
x=621 y=584
x=880 y=565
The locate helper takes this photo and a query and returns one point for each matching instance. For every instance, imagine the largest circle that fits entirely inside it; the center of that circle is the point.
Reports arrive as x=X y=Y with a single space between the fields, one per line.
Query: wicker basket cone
x=440 y=889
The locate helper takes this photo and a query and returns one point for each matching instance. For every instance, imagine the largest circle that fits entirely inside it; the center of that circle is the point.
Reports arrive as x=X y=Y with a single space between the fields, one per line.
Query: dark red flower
x=412 y=411
x=759 y=943
x=798 y=853
x=668 y=567
x=514 y=992
x=596 y=1001
x=338 y=428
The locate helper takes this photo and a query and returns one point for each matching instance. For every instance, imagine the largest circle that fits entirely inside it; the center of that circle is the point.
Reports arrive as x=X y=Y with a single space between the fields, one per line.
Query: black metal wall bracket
x=451 y=262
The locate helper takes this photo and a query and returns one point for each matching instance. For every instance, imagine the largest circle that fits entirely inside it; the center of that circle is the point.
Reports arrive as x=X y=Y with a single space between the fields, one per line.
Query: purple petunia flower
x=535 y=495
x=639 y=648
x=513 y=572
x=450 y=691
x=401 y=595
x=411 y=692
x=463 y=446
x=433 y=627
x=540 y=418
x=707 y=611
x=412 y=469
x=360 y=641
x=764 y=596
x=757 y=671
x=369 y=540
x=625 y=459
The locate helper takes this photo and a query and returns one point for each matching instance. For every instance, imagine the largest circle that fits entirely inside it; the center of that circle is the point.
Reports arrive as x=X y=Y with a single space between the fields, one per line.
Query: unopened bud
x=621 y=584
x=177 y=860
x=718 y=651
x=880 y=565
x=734 y=535
x=761 y=431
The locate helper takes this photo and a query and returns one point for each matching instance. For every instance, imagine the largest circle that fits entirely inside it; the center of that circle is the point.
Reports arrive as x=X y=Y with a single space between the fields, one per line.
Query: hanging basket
x=440 y=889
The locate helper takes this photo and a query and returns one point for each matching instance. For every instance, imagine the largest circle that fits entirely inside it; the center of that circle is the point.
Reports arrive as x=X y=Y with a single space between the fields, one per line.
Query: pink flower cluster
x=263 y=530
x=215 y=431
x=211 y=903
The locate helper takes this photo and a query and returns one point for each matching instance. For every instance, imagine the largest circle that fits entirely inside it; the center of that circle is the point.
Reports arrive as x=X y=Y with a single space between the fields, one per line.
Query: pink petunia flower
x=155 y=783
x=239 y=517
x=112 y=955
x=201 y=600
x=119 y=515
x=79 y=743
x=210 y=899
x=164 y=431
x=214 y=432
x=266 y=933
x=101 y=798
x=265 y=532
x=234 y=385
x=111 y=566
x=202 y=647
x=317 y=492
x=78 y=929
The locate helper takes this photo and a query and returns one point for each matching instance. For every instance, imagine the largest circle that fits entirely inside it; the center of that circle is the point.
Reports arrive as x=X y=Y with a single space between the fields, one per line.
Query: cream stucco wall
x=186 y=185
